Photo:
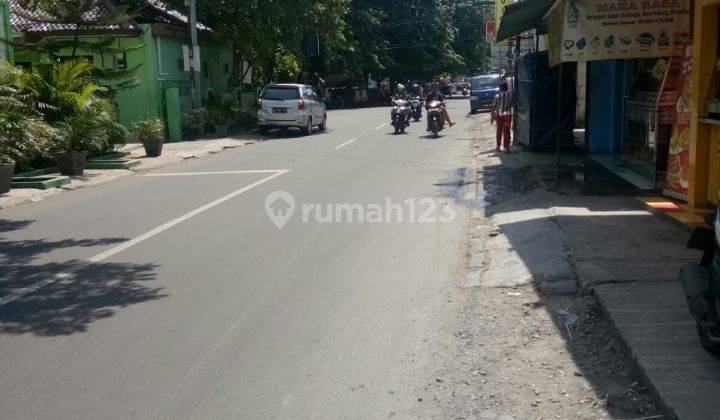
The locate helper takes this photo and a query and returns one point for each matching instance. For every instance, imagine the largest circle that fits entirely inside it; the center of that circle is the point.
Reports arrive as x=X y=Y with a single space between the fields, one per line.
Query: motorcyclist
x=435 y=95
x=400 y=94
x=416 y=91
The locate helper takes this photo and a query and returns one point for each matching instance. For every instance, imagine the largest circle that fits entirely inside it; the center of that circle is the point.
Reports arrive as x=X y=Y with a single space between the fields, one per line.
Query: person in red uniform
x=502 y=114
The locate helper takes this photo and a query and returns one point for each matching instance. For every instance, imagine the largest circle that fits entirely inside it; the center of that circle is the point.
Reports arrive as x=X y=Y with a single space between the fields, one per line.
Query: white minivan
x=290 y=105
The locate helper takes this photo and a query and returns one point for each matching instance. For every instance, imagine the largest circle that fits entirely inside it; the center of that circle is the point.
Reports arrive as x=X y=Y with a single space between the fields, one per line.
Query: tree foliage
x=269 y=33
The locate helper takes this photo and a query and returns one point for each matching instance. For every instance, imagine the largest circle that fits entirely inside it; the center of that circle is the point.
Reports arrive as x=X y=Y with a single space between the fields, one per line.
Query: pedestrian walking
x=501 y=115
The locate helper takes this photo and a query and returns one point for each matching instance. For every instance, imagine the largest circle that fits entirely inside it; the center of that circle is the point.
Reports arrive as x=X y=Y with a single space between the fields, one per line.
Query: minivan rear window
x=487 y=82
x=280 y=94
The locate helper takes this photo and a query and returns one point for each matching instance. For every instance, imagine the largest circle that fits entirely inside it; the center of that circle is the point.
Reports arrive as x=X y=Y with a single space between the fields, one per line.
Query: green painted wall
x=6 y=32
x=161 y=60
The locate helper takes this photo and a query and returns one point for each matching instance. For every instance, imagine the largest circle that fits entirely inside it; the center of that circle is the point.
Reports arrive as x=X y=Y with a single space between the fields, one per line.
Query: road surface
x=172 y=294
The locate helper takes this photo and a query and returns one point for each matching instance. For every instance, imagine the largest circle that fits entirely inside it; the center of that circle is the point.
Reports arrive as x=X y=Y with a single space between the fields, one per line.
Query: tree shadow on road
x=73 y=294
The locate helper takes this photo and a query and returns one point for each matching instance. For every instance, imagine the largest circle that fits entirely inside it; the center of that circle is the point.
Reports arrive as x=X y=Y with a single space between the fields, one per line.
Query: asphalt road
x=172 y=294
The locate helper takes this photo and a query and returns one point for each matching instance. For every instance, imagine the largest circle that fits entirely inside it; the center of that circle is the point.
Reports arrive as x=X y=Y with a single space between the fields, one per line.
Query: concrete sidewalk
x=593 y=235
x=172 y=153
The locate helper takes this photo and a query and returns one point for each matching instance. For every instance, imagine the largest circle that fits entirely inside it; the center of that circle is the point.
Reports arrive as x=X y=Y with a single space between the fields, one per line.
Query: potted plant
x=219 y=118
x=151 y=133
x=90 y=128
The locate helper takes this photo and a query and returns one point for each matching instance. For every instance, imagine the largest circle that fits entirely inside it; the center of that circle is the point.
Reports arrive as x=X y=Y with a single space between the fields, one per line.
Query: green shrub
x=217 y=115
x=24 y=136
x=242 y=119
x=149 y=129
x=91 y=128
x=193 y=122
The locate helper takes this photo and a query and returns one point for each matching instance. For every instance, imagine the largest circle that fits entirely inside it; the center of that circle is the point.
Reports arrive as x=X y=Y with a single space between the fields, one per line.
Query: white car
x=290 y=105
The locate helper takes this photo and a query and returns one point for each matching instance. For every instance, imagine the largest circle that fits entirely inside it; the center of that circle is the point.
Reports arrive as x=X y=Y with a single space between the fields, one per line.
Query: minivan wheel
x=308 y=127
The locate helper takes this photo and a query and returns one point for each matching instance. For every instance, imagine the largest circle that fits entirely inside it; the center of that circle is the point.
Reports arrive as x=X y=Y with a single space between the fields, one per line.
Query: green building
x=157 y=40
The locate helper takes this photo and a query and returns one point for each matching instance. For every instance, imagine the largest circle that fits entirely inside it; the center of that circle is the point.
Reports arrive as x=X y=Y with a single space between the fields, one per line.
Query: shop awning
x=523 y=16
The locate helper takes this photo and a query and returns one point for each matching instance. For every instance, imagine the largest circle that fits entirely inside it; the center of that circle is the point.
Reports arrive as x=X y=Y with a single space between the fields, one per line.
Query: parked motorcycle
x=416 y=108
x=400 y=115
x=465 y=90
x=702 y=283
x=435 y=118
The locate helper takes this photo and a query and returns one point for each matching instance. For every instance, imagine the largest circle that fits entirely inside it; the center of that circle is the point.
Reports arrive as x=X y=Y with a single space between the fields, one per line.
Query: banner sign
x=676 y=184
x=499 y=12
x=490 y=31
x=603 y=30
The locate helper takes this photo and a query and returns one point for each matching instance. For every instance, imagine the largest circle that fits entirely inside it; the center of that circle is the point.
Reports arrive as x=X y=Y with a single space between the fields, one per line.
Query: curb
x=40 y=182
x=638 y=369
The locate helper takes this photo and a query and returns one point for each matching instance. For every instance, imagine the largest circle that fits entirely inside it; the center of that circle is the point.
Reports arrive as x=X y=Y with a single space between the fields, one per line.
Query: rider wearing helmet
x=399 y=94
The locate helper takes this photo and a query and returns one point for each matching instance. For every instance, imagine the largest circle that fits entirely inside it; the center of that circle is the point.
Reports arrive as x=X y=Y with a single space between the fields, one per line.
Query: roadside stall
x=650 y=38
x=696 y=147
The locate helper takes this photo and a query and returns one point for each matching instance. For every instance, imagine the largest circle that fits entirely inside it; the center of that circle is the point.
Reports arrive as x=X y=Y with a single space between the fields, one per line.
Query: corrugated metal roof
x=155 y=11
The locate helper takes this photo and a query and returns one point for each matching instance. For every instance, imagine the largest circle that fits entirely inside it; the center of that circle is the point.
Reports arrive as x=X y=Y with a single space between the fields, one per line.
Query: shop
x=699 y=157
x=634 y=70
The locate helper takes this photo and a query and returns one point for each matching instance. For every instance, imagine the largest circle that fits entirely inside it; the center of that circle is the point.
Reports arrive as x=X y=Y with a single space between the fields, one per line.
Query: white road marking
x=261 y=171
x=380 y=126
x=345 y=144
x=145 y=236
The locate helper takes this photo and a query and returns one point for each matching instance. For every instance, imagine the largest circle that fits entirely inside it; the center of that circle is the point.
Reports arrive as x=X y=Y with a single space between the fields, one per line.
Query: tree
x=470 y=43
x=403 y=39
x=269 y=34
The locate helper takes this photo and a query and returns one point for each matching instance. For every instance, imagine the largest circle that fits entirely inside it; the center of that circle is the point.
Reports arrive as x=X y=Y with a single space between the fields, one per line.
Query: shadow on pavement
x=66 y=304
x=564 y=241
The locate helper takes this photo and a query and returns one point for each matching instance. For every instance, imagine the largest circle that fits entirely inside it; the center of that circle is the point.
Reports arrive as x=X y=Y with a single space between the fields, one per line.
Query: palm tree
x=23 y=133
x=59 y=89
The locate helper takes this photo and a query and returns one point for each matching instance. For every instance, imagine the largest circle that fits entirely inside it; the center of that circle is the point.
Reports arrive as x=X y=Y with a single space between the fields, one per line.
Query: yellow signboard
x=499 y=12
x=628 y=29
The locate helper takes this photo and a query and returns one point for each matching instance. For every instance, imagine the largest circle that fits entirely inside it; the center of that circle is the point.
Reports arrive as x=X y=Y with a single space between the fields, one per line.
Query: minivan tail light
x=301 y=104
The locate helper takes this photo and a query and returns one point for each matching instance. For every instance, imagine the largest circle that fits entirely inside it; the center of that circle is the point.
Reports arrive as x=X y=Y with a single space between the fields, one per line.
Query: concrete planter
x=6 y=174
x=71 y=163
x=153 y=147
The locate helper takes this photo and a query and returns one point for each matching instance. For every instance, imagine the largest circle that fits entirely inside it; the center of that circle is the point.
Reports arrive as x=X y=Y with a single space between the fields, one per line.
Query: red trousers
x=503 y=123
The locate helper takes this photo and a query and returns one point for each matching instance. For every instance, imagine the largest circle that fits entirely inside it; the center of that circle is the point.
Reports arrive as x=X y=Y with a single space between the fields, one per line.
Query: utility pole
x=195 y=63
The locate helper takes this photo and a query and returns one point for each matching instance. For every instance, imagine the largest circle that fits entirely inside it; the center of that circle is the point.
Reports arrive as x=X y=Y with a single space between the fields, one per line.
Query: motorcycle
x=701 y=282
x=465 y=90
x=416 y=108
x=435 y=118
x=400 y=115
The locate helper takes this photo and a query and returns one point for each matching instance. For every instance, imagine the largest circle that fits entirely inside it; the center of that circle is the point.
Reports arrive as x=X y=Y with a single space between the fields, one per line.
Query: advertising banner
x=499 y=12
x=490 y=31
x=676 y=184
x=602 y=30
